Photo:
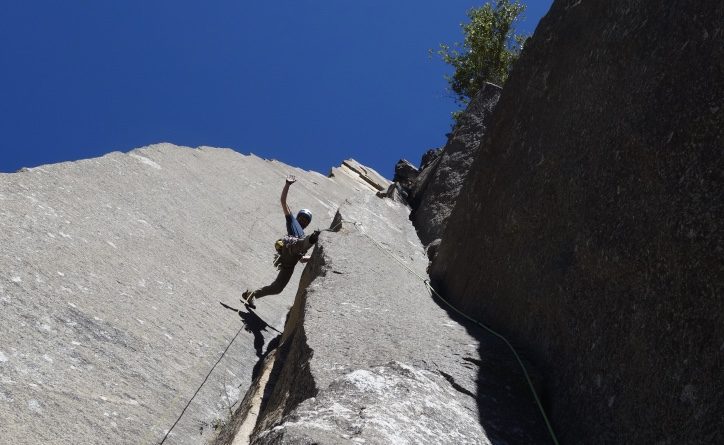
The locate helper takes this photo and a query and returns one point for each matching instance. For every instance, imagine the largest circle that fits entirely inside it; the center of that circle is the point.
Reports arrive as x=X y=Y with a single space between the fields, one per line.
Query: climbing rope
x=201 y=385
x=336 y=226
x=467 y=317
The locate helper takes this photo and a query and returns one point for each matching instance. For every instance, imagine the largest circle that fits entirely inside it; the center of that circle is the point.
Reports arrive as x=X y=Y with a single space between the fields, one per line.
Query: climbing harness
x=280 y=245
x=289 y=240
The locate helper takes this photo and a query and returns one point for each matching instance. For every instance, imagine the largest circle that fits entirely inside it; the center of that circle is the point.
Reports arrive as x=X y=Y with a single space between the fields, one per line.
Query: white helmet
x=305 y=212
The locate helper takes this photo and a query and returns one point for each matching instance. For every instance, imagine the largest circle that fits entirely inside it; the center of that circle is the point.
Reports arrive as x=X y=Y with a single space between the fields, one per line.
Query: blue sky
x=309 y=83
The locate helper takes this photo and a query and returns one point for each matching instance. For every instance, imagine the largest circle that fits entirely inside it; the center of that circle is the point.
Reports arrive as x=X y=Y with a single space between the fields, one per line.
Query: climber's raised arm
x=290 y=180
x=291 y=248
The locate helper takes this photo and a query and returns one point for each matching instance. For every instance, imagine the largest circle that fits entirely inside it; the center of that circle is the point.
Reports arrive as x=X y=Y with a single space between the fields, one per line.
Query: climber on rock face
x=291 y=249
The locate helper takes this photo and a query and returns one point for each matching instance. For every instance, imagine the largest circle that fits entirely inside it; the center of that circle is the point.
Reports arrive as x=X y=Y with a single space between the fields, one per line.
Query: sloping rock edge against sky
x=113 y=269
x=112 y=273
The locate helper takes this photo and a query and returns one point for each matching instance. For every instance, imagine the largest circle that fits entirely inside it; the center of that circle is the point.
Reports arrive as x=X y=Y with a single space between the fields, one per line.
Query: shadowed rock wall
x=433 y=192
x=590 y=228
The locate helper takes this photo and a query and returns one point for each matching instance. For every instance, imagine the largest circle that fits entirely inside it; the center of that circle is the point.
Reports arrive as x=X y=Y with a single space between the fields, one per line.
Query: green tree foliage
x=488 y=51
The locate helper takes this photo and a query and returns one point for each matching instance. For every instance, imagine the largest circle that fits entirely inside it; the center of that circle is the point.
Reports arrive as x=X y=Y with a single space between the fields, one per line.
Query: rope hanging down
x=201 y=385
x=467 y=317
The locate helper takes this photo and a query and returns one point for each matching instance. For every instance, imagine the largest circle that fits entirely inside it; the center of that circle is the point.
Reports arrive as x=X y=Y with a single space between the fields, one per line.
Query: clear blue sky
x=307 y=82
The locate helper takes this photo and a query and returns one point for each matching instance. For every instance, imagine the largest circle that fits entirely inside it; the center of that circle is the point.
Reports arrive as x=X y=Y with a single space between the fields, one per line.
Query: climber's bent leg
x=285 y=274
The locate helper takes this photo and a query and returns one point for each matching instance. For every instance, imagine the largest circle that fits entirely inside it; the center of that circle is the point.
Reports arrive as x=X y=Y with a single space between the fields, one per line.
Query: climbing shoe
x=248 y=299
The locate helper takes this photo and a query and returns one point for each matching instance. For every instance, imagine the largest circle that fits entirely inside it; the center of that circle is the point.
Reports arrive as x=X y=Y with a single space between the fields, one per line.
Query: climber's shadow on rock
x=253 y=324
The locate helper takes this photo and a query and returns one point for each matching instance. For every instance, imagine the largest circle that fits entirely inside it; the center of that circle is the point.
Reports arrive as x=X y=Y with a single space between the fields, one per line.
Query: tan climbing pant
x=289 y=258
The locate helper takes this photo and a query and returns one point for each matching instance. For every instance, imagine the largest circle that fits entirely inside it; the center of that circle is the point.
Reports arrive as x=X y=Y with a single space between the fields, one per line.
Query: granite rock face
x=386 y=404
x=405 y=174
x=358 y=174
x=429 y=157
x=433 y=193
x=111 y=274
x=368 y=356
x=590 y=230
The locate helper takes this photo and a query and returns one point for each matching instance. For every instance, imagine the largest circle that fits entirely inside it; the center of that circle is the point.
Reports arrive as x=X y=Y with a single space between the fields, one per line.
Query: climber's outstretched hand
x=291 y=179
